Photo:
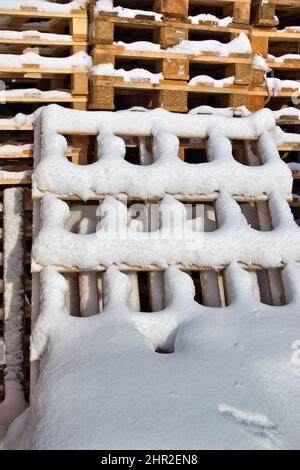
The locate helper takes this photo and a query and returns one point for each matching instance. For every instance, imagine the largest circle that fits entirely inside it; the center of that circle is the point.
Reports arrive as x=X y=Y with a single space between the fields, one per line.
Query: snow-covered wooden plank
x=14 y=297
x=175 y=242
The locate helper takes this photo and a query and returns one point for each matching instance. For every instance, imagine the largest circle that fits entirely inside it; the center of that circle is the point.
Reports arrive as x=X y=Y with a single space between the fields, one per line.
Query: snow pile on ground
x=208 y=18
x=107 y=7
x=230 y=380
x=238 y=45
x=43 y=5
x=127 y=75
x=78 y=61
x=14 y=402
x=111 y=174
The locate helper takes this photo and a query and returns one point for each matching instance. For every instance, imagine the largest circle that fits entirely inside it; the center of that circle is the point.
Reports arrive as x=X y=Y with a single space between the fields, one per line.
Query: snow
x=235 y=393
x=33 y=93
x=14 y=149
x=284 y=57
x=206 y=80
x=275 y=85
x=9 y=34
x=290 y=111
x=107 y=6
x=20 y=119
x=127 y=75
x=208 y=18
x=294 y=166
x=14 y=402
x=174 y=243
x=111 y=174
x=238 y=45
x=259 y=63
x=78 y=61
x=228 y=112
x=14 y=175
x=292 y=28
x=43 y=5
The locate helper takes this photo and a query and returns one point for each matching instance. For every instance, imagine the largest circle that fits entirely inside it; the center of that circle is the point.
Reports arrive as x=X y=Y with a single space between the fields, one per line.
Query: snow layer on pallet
x=14 y=402
x=111 y=174
x=206 y=80
x=107 y=6
x=208 y=18
x=259 y=63
x=238 y=45
x=175 y=242
x=33 y=93
x=8 y=34
x=287 y=112
x=239 y=111
x=14 y=149
x=234 y=347
x=275 y=85
x=43 y=5
x=78 y=61
x=20 y=119
x=127 y=75
x=284 y=57
x=14 y=175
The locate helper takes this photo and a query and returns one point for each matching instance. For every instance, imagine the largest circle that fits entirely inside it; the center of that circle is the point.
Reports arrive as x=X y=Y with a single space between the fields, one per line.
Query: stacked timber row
x=43 y=56
x=43 y=60
x=275 y=35
x=190 y=53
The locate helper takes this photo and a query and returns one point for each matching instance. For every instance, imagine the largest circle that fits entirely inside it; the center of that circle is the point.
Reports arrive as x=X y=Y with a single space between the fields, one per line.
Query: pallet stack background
x=269 y=28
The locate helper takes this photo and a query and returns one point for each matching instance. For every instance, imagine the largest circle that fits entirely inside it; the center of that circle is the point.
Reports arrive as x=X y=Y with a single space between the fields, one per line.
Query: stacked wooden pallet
x=277 y=39
x=86 y=285
x=15 y=290
x=52 y=34
x=122 y=39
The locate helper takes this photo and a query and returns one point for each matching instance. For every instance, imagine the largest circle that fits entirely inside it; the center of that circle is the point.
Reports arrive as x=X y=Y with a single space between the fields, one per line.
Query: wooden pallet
x=76 y=22
x=172 y=10
x=266 y=14
x=5 y=260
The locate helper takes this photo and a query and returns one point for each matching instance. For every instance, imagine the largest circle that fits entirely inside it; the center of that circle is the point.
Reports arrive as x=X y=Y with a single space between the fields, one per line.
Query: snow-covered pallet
x=277 y=77
x=178 y=141
x=26 y=278
x=163 y=59
x=32 y=68
x=58 y=29
x=16 y=150
x=175 y=71
x=14 y=301
x=60 y=17
x=194 y=11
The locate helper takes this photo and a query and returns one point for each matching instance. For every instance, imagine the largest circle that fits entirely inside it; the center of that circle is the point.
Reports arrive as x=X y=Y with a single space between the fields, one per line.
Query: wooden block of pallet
x=168 y=36
x=263 y=14
x=175 y=101
x=172 y=8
